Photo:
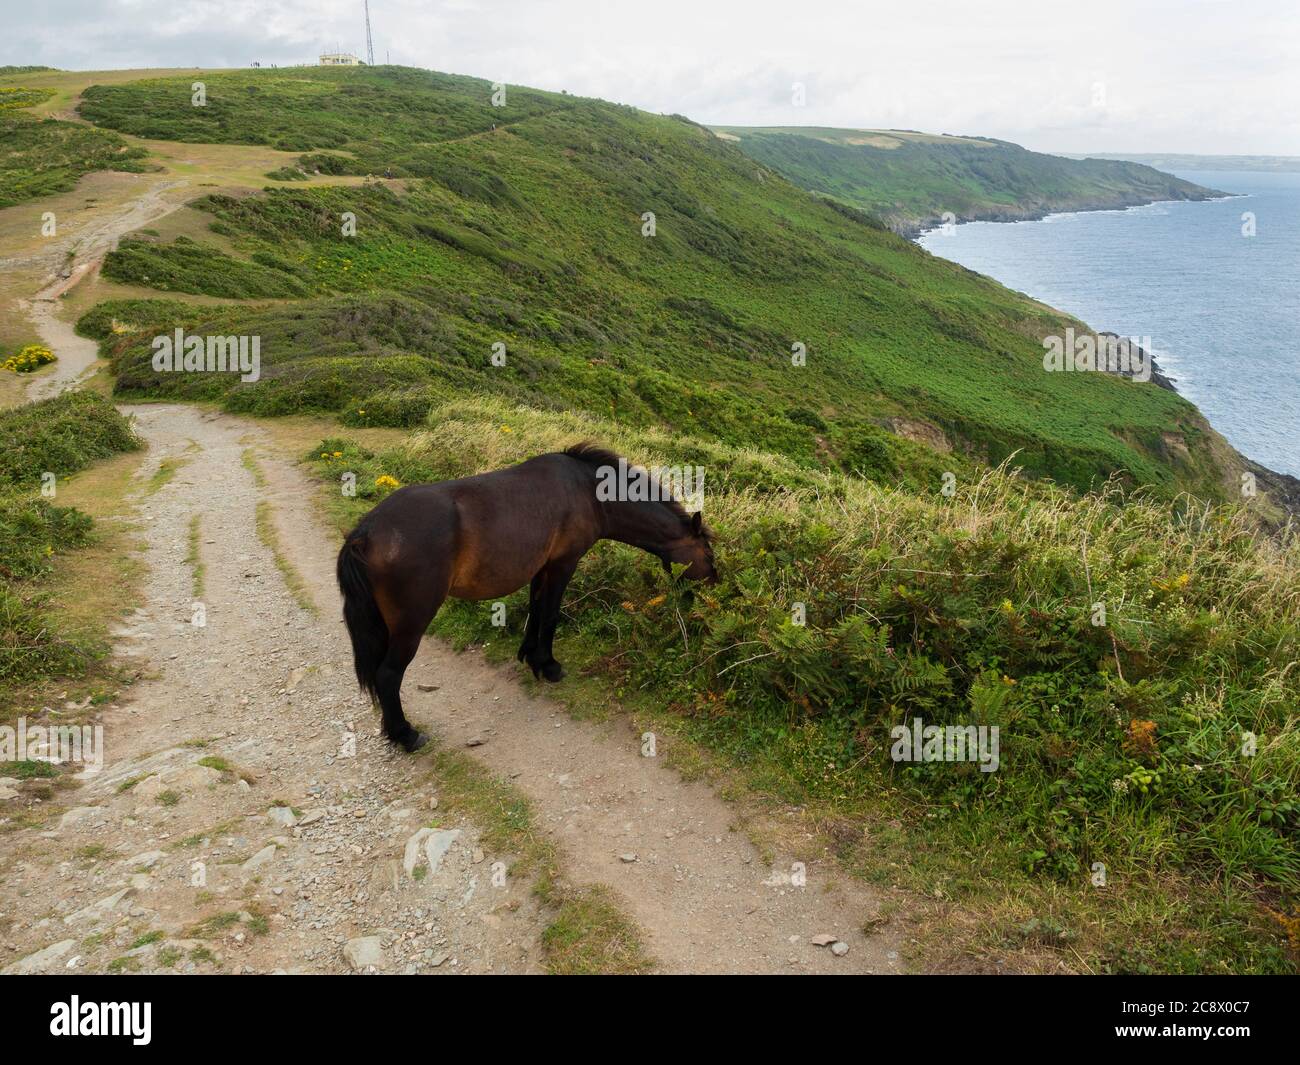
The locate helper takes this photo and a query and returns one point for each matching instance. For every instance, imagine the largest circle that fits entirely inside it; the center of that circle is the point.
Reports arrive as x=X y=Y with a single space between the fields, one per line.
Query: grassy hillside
x=1117 y=747
x=1181 y=161
x=523 y=225
x=911 y=179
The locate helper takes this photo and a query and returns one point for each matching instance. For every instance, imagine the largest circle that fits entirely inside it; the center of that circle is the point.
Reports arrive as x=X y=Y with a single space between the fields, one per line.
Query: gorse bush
x=28 y=359
x=60 y=436
x=45 y=156
x=1121 y=743
x=56 y=436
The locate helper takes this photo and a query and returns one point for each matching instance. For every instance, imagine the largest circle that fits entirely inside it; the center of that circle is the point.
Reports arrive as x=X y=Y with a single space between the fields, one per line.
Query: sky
x=1197 y=76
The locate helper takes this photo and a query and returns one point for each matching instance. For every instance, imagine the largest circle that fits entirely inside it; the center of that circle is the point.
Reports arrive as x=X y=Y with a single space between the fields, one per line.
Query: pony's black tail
x=360 y=612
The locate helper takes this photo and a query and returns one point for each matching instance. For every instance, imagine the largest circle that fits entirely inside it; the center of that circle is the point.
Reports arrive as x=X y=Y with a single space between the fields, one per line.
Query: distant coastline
x=1268 y=164
x=1038 y=214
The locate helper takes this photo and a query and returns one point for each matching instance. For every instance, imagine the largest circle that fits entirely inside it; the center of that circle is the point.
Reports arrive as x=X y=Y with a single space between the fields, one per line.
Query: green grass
x=911 y=180
x=270 y=537
x=59 y=436
x=971 y=610
x=529 y=235
x=366 y=120
x=56 y=437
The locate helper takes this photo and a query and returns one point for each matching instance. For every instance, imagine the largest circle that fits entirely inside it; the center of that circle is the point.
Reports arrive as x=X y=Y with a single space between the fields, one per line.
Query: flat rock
x=82 y=817
x=282 y=816
x=259 y=859
x=437 y=845
x=97 y=910
x=364 y=953
x=41 y=960
x=411 y=856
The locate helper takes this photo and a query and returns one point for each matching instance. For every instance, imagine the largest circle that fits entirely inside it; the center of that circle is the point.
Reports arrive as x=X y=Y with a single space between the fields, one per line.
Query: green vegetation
x=28 y=359
x=366 y=120
x=59 y=437
x=911 y=179
x=12 y=98
x=1121 y=743
x=530 y=235
x=44 y=156
x=976 y=609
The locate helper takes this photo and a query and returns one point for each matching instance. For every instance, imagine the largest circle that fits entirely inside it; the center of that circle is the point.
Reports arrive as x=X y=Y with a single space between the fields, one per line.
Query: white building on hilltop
x=339 y=59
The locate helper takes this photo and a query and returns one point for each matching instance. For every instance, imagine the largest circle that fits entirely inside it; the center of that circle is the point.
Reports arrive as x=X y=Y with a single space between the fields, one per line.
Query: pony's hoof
x=415 y=739
x=553 y=671
x=524 y=652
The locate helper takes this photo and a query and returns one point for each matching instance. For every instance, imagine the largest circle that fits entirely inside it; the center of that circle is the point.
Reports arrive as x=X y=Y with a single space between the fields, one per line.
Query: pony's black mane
x=594 y=455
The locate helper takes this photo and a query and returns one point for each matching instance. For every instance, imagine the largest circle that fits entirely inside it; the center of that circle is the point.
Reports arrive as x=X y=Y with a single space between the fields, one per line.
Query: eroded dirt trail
x=180 y=852
x=263 y=693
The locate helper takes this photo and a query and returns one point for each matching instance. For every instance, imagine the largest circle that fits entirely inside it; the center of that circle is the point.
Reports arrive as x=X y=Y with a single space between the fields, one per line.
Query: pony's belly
x=487 y=579
x=476 y=590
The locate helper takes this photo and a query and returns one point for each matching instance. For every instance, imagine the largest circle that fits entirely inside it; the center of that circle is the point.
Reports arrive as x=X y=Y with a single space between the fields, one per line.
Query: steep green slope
x=526 y=229
x=911 y=180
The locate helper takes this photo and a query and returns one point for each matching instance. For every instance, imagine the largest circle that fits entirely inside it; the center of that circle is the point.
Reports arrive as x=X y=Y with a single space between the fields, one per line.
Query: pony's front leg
x=555 y=579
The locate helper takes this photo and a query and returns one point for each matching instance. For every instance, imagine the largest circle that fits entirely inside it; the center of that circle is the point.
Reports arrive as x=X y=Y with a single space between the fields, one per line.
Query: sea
x=1214 y=284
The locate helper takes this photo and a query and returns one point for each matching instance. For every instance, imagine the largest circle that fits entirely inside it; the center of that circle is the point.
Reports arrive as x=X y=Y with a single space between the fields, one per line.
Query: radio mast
x=370 y=45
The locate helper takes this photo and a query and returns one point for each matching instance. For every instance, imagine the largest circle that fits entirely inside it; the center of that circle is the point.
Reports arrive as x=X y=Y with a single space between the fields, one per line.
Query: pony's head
x=694 y=549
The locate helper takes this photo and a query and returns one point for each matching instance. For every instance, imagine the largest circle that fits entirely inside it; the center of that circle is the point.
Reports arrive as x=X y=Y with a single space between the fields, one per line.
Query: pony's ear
x=697 y=522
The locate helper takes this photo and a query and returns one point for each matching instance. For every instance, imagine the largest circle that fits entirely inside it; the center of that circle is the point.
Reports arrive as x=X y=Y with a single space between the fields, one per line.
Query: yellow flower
x=1008 y=607
x=385 y=481
x=656 y=600
x=338 y=454
x=506 y=429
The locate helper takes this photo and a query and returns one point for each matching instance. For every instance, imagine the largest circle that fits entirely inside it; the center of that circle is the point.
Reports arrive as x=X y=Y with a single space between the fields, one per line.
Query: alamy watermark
x=625 y=483
x=80 y=744
x=179 y=353
x=946 y=743
x=1104 y=352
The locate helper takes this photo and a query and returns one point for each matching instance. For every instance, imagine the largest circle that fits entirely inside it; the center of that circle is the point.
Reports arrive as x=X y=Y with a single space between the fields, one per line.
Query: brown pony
x=484 y=537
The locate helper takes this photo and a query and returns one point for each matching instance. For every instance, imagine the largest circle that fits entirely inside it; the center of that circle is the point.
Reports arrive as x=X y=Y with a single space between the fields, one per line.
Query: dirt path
x=247 y=711
x=70 y=260
x=263 y=691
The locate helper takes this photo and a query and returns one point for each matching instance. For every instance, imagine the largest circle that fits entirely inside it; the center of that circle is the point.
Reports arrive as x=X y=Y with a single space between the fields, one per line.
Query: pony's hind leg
x=388 y=686
x=407 y=611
